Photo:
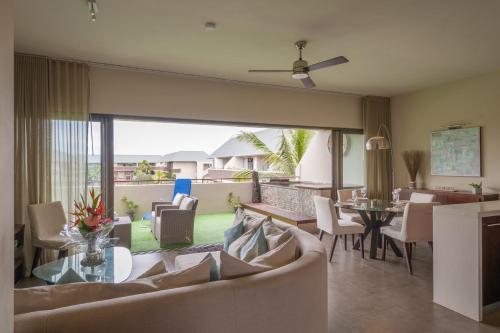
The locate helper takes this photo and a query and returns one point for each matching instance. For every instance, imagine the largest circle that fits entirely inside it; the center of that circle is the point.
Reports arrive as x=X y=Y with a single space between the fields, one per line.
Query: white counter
x=458 y=258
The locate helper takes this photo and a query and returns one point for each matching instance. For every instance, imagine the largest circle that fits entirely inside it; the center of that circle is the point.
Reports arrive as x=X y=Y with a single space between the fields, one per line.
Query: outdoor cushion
x=58 y=296
x=275 y=236
x=186 y=203
x=232 y=234
x=255 y=246
x=249 y=221
x=178 y=198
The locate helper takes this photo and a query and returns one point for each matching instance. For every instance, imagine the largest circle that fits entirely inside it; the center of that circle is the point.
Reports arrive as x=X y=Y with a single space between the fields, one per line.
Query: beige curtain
x=376 y=111
x=32 y=169
x=69 y=112
x=51 y=118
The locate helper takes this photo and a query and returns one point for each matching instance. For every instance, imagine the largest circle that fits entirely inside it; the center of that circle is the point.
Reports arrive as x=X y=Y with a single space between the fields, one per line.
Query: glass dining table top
x=116 y=268
x=369 y=205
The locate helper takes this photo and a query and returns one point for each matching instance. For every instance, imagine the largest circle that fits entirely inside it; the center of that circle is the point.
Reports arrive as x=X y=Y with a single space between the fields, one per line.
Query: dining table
x=375 y=214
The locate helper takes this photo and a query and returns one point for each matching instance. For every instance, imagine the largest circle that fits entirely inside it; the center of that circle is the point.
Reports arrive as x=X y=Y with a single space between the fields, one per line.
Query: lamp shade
x=378 y=143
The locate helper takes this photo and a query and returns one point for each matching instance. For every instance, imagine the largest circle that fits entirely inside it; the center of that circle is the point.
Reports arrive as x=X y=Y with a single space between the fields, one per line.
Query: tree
x=292 y=147
x=144 y=171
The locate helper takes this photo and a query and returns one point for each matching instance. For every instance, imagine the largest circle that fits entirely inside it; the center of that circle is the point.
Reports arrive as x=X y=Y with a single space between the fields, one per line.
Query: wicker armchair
x=156 y=208
x=174 y=225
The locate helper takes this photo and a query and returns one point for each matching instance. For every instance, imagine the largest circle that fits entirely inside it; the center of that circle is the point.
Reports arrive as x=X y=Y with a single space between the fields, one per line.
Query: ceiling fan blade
x=328 y=63
x=308 y=82
x=270 y=71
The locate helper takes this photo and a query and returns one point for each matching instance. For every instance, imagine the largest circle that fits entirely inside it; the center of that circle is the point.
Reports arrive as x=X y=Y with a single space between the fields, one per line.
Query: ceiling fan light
x=300 y=75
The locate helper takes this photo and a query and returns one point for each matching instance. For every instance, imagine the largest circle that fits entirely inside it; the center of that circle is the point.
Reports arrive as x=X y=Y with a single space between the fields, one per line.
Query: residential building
x=235 y=154
x=186 y=164
x=125 y=165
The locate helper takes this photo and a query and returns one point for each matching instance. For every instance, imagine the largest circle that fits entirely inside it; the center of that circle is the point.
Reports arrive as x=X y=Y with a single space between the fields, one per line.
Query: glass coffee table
x=116 y=268
x=375 y=214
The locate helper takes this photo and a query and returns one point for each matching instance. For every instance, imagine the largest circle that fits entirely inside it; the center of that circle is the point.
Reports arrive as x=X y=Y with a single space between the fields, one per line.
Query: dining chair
x=416 y=226
x=328 y=222
x=47 y=220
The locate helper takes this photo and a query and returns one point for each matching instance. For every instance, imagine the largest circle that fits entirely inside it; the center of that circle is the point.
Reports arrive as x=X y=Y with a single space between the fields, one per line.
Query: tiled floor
x=375 y=296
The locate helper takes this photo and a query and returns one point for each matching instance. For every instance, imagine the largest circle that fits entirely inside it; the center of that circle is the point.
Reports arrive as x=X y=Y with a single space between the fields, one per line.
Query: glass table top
x=116 y=268
x=373 y=206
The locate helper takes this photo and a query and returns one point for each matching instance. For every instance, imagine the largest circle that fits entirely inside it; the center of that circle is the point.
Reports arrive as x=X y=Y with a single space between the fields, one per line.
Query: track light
x=92 y=9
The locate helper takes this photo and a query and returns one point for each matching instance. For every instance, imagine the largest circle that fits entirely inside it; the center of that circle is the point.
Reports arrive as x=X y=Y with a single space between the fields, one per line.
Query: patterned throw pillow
x=255 y=246
x=232 y=234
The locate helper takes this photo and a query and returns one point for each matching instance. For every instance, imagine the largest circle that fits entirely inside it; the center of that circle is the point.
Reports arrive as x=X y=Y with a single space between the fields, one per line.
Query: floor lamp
x=381 y=142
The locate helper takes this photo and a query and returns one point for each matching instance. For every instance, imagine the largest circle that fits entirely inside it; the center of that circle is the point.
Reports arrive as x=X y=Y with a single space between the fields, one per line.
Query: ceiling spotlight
x=92 y=9
x=210 y=26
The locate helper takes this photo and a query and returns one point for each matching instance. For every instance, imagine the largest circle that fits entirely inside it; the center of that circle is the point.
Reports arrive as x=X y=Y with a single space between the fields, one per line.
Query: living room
x=417 y=80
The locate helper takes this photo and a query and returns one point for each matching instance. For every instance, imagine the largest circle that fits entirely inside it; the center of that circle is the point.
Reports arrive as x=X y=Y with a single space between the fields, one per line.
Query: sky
x=160 y=138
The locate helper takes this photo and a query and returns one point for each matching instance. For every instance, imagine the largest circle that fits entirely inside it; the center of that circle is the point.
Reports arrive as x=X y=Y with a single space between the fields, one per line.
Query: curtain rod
x=191 y=76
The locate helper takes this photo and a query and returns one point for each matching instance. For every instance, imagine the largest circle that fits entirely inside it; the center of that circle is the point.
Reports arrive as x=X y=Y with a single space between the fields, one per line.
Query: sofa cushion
x=234 y=248
x=57 y=296
x=275 y=236
x=192 y=259
x=282 y=255
x=178 y=199
x=157 y=268
x=255 y=246
x=249 y=221
x=187 y=203
x=232 y=234
x=231 y=267
x=214 y=267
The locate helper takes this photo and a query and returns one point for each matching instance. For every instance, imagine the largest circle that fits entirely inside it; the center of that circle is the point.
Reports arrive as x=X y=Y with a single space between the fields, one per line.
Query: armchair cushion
x=178 y=199
x=186 y=204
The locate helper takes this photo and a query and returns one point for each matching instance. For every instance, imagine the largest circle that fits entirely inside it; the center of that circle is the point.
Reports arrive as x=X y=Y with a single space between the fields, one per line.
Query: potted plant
x=477 y=188
x=131 y=207
x=233 y=201
x=412 y=161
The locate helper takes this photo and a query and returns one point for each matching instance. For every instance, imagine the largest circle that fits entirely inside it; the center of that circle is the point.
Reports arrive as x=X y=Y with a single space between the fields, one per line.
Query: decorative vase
x=93 y=254
x=412 y=185
x=477 y=190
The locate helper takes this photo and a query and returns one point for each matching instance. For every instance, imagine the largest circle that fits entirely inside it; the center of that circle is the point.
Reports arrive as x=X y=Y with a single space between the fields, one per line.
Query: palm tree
x=293 y=144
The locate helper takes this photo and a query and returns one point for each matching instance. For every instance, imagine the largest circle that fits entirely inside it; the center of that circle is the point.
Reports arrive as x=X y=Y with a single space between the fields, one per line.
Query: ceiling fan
x=301 y=68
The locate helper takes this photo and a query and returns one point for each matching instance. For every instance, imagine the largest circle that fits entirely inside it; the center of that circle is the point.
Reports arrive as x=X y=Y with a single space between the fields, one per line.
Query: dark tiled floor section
x=375 y=296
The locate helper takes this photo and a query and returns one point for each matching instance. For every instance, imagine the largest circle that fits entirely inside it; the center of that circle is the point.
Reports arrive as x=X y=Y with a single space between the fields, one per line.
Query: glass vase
x=93 y=254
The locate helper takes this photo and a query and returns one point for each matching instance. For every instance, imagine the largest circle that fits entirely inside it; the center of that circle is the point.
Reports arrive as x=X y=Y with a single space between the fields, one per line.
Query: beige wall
x=474 y=101
x=188 y=169
x=6 y=164
x=212 y=197
x=126 y=92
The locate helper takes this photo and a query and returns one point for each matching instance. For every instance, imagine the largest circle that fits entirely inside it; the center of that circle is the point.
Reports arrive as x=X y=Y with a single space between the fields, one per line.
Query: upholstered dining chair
x=328 y=222
x=415 y=227
x=47 y=220
x=347 y=214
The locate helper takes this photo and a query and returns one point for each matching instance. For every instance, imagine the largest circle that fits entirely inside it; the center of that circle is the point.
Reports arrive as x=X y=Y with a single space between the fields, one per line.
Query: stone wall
x=291 y=198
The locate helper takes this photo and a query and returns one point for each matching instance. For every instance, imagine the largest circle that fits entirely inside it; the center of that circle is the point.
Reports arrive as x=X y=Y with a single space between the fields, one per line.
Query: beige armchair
x=47 y=221
x=416 y=226
x=328 y=221
x=175 y=224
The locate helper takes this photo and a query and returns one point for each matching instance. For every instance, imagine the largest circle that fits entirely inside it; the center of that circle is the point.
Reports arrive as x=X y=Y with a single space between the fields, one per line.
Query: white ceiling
x=394 y=46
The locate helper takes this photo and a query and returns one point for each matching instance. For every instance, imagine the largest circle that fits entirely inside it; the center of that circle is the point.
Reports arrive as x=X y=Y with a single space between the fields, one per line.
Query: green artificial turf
x=208 y=229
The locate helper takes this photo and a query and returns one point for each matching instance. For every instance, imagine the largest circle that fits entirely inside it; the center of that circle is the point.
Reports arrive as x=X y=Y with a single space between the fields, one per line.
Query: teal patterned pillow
x=232 y=234
x=256 y=246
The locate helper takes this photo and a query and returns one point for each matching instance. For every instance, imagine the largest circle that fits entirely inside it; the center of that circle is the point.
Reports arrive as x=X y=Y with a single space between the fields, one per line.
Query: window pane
x=353 y=174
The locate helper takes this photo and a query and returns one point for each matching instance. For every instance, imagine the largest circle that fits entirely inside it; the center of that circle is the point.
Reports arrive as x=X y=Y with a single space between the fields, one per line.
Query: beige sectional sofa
x=290 y=299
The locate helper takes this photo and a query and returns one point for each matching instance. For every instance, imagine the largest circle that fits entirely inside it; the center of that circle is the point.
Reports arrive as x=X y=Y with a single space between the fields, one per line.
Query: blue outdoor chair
x=182 y=185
